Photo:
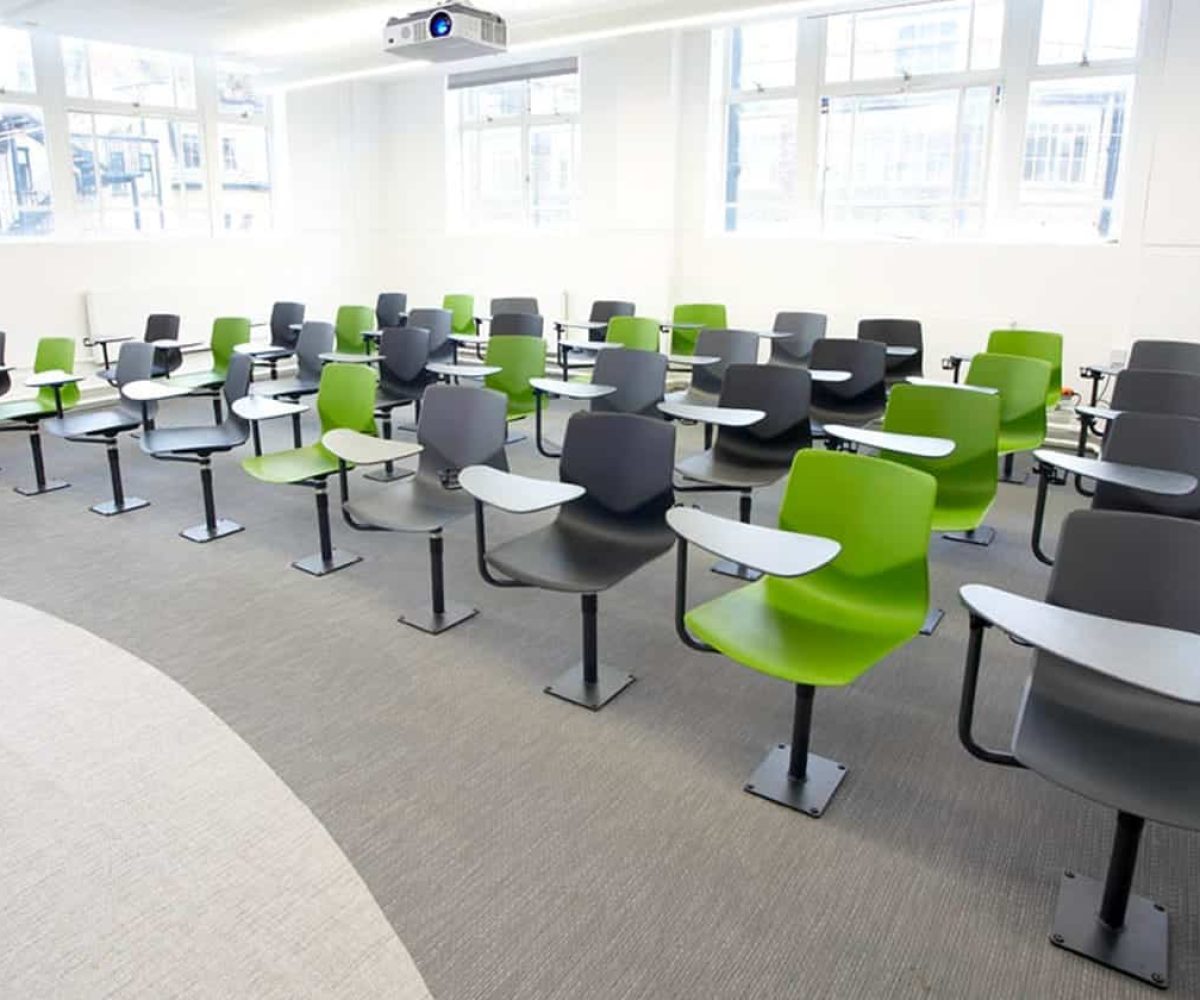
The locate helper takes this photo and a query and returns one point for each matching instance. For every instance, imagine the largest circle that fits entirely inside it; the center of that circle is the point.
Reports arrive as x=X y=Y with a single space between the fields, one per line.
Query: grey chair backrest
x=605 y=309
x=405 y=352
x=5 y=378
x=1156 y=441
x=164 y=326
x=515 y=304
x=806 y=329
x=135 y=363
x=237 y=386
x=640 y=378
x=285 y=315
x=1147 y=391
x=733 y=347
x=438 y=323
x=1166 y=355
x=516 y=324
x=785 y=395
x=865 y=360
x=461 y=426
x=897 y=333
x=390 y=308
x=1124 y=746
x=626 y=464
x=315 y=339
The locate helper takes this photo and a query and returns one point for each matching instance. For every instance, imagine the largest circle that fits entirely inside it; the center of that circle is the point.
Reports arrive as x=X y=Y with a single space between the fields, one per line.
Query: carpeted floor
x=525 y=848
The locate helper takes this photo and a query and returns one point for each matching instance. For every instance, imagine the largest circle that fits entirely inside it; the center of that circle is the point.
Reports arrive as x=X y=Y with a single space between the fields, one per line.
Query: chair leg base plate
x=201 y=534
x=383 y=476
x=983 y=537
x=932 y=621
x=52 y=485
x=1139 y=949
x=110 y=508
x=516 y=437
x=726 y=567
x=434 y=624
x=609 y=683
x=811 y=796
x=1016 y=479
x=316 y=566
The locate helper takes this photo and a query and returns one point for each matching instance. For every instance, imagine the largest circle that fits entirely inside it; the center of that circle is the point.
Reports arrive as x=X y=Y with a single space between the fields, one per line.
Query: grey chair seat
x=166 y=440
x=708 y=467
x=288 y=387
x=201 y=380
x=848 y=413
x=585 y=551
x=415 y=506
x=74 y=425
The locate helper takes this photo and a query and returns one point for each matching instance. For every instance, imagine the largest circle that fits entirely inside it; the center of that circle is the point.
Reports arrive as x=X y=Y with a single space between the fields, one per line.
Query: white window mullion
x=51 y=95
x=206 y=108
x=810 y=56
x=1021 y=35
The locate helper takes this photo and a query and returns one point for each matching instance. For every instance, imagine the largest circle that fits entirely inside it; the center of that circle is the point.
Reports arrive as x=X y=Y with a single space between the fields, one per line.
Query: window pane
x=495 y=183
x=908 y=163
x=1075 y=30
x=245 y=178
x=554 y=95
x=128 y=75
x=763 y=55
x=839 y=41
x=237 y=94
x=760 y=184
x=552 y=150
x=16 y=61
x=501 y=100
x=1070 y=178
x=25 y=206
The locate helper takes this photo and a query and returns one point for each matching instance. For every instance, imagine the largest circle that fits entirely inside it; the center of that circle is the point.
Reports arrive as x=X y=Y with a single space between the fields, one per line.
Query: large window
x=518 y=147
x=245 y=148
x=124 y=75
x=25 y=202
x=888 y=121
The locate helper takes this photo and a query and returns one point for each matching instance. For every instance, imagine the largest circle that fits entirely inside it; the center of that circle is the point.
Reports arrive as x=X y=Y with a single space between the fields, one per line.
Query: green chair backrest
x=56 y=354
x=881 y=513
x=462 y=313
x=1033 y=344
x=967 y=478
x=352 y=322
x=636 y=332
x=710 y=316
x=520 y=359
x=227 y=333
x=346 y=398
x=1022 y=384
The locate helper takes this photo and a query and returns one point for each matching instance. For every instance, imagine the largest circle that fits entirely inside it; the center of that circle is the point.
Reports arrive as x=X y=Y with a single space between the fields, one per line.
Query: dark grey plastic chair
x=1166 y=355
x=1149 y=391
x=460 y=426
x=806 y=329
x=862 y=399
x=402 y=382
x=515 y=304
x=640 y=378
x=516 y=324
x=315 y=339
x=1119 y=721
x=733 y=347
x=605 y=309
x=438 y=322
x=623 y=465
x=897 y=333
x=159 y=326
x=391 y=309
x=135 y=363
x=197 y=445
x=285 y=315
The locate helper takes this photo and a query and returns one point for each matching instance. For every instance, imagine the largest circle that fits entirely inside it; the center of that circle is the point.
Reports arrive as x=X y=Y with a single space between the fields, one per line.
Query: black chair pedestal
x=328 y=560
x=1009 y=474
x=119 y=504
x=41 y=483
x=213 y=527
x=388 y=473
x=441 y=617
x=589 y=684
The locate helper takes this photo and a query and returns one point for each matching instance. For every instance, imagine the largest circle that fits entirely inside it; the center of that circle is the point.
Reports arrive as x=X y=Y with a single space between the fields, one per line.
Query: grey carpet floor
x=525 y=848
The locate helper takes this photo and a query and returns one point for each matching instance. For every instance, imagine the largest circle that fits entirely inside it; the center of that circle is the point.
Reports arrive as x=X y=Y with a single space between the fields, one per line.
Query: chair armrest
x=1134 y=477
x=516 y=494
x=571 y=390
x=258 y=408
x=461 y=371
x=953 y=360
x=1163 y=661
x=1097 y=412
x=152 y=390
x=774 y=552
x=363 y=449
x=986 y=390
x=720 y=416
x=52 y=377
x=111 y=339
x=692 y=360
x=904 y=444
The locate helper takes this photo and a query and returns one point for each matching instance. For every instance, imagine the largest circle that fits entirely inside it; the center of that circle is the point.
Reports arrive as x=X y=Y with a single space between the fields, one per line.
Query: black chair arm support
x=481 y=553
x=1044 y=473
x=966 y=710
x=681 y=567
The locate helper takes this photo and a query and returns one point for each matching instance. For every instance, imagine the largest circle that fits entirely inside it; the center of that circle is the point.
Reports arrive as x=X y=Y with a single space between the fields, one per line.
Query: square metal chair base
x=383 y=476
x=1016 y=479
x=609 y=684
x=200 y=533
x=109 y=509
x=1139 y=949
x=810 y=796
x=982 y=537
x=932 y=621
x=726 y=567
x=32 y=491
x=435 y=624
x=316 y=566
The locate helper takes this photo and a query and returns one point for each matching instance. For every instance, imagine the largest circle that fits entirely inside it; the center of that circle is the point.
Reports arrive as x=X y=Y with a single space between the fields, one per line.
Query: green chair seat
x=227 y=333
x=351 y=323
x=1021 y=382
x=1033 y=344
x=294 y=466
x=53 y=354
x=635 y=332
x=462 y=313
x=520 y=359
x=708 y=315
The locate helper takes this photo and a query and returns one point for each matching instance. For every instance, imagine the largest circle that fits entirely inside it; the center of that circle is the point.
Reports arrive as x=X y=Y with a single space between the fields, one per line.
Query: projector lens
x=440 y=24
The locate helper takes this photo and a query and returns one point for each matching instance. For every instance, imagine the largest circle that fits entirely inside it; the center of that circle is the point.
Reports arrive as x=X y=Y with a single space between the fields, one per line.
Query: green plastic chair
x=53 y=354
x=1033 y=344
x=520 y=359
x=828 y=628
x=711 y=317
x=462 y=313
x=227 y=333
x=1021 y=382
x=345 y=399
x=636 y=333
x=351 y=323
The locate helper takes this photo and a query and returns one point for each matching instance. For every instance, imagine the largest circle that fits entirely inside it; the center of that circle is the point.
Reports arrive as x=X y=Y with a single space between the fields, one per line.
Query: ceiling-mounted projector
x=447 y=32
